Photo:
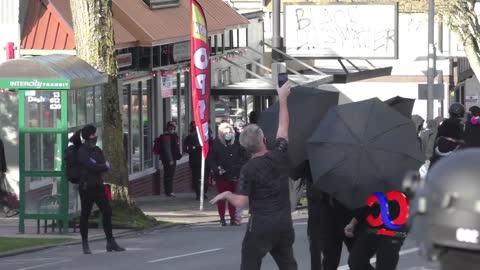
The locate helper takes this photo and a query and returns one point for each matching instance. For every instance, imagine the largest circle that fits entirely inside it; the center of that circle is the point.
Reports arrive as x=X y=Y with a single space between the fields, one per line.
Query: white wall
x=9 y=26
x=413 y=46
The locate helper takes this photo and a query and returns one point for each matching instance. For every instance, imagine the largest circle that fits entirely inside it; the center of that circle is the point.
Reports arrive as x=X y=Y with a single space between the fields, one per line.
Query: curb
x=77 y=241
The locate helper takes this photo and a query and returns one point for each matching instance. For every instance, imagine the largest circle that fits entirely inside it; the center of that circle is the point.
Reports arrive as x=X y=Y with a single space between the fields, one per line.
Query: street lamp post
x=431 y=59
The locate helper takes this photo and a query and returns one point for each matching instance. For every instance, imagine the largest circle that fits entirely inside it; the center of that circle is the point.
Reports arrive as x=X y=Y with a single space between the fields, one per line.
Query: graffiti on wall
x=354 y=31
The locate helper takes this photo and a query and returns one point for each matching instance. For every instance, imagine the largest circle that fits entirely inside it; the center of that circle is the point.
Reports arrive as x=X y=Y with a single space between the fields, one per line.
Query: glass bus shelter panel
x=74 y=205
x=42 y=195
x=85 y=107
x=43 y=152
x=42 y=109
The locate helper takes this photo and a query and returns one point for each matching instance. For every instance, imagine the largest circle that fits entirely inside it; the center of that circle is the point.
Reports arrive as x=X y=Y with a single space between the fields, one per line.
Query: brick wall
x=153 y=184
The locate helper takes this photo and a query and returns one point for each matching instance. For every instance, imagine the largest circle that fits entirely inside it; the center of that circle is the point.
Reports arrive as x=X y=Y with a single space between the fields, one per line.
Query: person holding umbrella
x=264 y=186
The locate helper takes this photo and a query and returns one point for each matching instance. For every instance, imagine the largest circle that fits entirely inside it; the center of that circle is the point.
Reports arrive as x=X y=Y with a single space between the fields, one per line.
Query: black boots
x=223 y=222
x=113 y=246
x=86 y=248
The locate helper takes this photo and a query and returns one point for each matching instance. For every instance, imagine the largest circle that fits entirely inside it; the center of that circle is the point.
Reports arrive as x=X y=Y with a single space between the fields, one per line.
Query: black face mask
x=92 y=141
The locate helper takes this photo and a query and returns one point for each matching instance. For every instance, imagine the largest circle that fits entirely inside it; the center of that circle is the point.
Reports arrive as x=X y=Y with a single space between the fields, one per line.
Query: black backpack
x=72 y=167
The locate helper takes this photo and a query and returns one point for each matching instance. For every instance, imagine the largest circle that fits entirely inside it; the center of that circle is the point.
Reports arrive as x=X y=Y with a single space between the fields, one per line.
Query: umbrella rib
x=386 y=131
x=348 y=127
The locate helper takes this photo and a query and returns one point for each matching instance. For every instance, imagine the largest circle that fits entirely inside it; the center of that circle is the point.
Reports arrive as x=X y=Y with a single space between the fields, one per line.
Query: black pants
x=326 y=223
x=168 y=174
x=367 y=245
x=257 y=244
x=88 y=197
x=196 y=169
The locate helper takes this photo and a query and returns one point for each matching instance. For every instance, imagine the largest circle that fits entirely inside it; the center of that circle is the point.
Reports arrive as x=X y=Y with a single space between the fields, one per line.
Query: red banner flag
x=200 y=72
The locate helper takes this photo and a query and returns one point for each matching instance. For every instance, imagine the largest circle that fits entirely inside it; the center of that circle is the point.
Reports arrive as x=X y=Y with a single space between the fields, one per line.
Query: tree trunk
x=94 y=39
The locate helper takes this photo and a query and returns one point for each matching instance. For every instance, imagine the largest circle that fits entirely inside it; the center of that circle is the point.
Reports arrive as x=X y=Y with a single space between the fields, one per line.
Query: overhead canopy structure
x=55 y=71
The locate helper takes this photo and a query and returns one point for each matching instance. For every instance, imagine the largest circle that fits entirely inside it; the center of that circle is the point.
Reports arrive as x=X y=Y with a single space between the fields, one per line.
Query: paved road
x=196 y=247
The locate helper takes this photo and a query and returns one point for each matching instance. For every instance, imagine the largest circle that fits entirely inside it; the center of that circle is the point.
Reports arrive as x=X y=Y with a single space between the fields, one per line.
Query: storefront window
x=179 y=101
x=147 y=117
x=135 y=133
x=137 y=116
x=126 y=123
x=231 y=109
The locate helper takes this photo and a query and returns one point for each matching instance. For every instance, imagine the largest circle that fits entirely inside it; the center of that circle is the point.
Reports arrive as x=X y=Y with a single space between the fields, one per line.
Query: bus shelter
x=58 y=94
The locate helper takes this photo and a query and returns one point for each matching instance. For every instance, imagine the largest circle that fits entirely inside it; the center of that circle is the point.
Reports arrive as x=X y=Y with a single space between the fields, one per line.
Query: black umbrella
x=360 y=148
x=306 y=108
x=402 y=105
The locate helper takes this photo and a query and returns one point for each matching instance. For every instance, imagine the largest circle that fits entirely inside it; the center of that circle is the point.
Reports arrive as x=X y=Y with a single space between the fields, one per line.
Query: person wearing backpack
x=92 y=164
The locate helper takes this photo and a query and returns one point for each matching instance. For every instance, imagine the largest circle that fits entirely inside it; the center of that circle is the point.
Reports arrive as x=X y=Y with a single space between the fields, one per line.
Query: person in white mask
x=225 y=159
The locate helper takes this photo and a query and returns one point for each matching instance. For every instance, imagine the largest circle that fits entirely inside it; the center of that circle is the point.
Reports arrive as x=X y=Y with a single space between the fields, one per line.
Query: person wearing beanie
x=450 y=139
x=472 y=128
x=169 y=152
x=92 y=188
x=194 y=149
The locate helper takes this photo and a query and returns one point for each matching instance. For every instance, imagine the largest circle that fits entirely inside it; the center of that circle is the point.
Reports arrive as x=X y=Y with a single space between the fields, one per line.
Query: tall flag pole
x=200 y=81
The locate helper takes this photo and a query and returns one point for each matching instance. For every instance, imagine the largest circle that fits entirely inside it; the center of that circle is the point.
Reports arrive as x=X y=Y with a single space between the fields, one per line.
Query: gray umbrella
x=402 y=105
x=360 y=148
x=306 y=108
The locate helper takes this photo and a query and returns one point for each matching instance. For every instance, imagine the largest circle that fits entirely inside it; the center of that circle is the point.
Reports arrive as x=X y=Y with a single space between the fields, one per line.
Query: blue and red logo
x=384 y=218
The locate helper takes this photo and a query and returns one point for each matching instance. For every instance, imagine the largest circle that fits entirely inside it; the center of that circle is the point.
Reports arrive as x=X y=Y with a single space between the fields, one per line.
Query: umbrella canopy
x=306 y=108
x=360 y=148
x=402 y=105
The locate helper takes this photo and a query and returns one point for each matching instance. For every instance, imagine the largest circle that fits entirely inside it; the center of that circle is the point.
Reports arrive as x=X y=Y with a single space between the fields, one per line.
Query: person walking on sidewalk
x=194 y=150
x=264 y=185
x=168 y=148
x=225 y=159
x=91 y=187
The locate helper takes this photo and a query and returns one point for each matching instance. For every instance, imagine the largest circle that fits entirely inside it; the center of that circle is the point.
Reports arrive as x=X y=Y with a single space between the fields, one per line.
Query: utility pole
x=277 y=41
x=431 y=59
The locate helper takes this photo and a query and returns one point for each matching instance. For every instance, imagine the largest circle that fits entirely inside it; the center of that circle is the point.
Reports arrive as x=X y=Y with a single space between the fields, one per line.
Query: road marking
x=186 y=255
x=42 y=265
x=373 y=260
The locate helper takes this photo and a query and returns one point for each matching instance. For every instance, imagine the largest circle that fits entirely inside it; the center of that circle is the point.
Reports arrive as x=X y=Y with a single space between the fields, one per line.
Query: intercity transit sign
x=35 y=84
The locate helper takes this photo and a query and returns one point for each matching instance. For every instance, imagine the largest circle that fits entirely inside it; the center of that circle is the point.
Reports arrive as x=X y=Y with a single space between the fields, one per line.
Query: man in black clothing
x=264 y=185
x=194 y=149
x=92 y=188
x=380 y=241
x=326 y=220
x=169 y=154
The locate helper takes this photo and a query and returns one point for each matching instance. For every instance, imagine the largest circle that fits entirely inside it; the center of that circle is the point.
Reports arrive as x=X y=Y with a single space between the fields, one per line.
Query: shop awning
x=260 y=87
x=54 y=71
x=169 y=25
x=48 y=24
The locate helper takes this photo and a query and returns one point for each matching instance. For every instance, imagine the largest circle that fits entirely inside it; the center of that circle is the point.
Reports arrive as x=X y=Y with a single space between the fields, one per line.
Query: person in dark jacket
x=449 y=140
x=472 y=128
x=377 y=241
x=326 y=219
x=226 y=159
x=194 y=149
x=92 y=188
x=169 y=154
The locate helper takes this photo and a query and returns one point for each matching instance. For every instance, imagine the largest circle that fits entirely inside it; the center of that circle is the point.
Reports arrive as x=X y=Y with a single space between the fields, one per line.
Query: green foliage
x=11 y=243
